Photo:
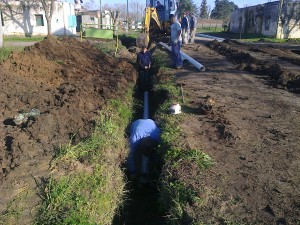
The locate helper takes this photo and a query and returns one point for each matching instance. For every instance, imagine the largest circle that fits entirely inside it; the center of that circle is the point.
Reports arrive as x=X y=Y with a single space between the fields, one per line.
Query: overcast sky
x=239 y=3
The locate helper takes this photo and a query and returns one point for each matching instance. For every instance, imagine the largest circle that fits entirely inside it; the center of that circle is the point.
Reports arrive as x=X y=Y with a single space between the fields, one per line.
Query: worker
x=160 y=10
x=159 y=6
x=185 y=28
x=193 y=28
x=175 y=42
x=144 y=137
x=144 y=61
x=144 y=58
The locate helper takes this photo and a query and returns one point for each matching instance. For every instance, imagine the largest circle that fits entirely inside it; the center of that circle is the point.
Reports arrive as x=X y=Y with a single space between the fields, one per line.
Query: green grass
x=216 y=29
x=6 y=51
x=219 y=32
x=23 y=38
x=175 y=192
x=93 y=189
x=129 y=34
x=109 y=47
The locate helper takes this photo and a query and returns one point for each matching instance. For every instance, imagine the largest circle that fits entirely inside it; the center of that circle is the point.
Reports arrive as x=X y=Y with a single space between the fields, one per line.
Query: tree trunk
x=115 y=16
x=48 y=14
x=48 y=26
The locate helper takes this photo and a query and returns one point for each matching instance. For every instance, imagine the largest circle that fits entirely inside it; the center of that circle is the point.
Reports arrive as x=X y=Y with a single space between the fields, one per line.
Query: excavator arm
x=152 y=26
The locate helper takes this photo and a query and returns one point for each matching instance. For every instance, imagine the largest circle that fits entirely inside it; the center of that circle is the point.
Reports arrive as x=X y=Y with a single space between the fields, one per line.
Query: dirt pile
x=281 y=65
x=67 y=82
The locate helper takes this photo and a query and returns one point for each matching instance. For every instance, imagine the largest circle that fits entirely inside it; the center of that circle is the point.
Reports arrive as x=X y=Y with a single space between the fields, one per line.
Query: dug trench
x=67 y=83
x=141 y=204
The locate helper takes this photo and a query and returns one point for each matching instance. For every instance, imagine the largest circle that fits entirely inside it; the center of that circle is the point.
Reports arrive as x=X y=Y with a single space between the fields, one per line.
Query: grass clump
x=91 y=186
x=6 y=51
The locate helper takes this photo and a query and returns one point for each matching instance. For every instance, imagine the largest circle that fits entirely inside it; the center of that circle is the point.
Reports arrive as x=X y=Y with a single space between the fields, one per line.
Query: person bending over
x=144 y=137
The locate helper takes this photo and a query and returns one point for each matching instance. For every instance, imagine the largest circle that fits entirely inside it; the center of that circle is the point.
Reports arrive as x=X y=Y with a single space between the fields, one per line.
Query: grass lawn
x=10 y=38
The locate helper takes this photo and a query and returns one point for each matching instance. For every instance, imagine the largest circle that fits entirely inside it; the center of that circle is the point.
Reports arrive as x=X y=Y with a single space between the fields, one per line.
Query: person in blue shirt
x=144 y=137
x=175 y=42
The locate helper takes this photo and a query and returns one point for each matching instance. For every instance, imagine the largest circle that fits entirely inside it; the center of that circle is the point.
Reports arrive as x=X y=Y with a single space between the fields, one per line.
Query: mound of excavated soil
x=281 y=65
x=68 y=82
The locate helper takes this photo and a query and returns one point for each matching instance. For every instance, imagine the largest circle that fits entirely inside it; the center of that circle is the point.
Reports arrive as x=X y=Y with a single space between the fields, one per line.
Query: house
x=271 y=19
x=92 y=19
x=28 y=18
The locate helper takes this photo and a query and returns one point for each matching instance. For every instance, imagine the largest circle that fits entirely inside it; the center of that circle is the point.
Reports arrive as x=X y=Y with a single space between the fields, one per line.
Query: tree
x=289 y=15
x=204 y=9
x=48 y=6
x=187 y=6
x=223 y=9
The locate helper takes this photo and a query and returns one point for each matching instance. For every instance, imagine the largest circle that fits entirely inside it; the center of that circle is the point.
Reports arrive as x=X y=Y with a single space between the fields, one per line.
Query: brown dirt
x=68 y=82
x=251 y=131
x=281 y=65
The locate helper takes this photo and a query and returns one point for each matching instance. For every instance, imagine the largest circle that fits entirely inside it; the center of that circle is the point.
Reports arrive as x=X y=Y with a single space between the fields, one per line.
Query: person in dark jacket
x=144 y=61
x=193 y=28
x=144 y=58
x=185 y=26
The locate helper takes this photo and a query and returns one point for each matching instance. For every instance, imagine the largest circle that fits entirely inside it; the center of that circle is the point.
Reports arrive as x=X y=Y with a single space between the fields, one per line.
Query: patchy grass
x=177 y=193
x=6 y=51
x=91 y=186
x=109 y=47
x=12 y=38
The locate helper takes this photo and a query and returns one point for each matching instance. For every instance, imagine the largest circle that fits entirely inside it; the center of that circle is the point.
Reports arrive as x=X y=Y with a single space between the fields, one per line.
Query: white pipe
x=146 y=105
x=212 y=37
x=198 y=65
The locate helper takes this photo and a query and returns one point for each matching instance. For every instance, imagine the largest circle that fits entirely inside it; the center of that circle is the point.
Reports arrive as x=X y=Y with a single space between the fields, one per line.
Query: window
x=2 y=21
x=92 y=18
x=39 y=20
x=267 y=23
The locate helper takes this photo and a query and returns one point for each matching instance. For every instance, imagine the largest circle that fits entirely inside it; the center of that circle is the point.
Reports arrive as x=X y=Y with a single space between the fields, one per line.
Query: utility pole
x=100 y=15
x=127 y=25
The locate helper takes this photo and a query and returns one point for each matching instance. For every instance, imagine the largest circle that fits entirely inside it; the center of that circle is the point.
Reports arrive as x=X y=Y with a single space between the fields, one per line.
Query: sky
x=211 y=3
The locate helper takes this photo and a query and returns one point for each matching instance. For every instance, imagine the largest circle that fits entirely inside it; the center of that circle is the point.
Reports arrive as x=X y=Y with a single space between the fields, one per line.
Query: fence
x=100 y=31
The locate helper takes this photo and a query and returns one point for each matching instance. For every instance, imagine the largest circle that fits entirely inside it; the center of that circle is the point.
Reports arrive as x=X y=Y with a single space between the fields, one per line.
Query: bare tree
x=289 y=16
x=19 y=13
x=48 y=6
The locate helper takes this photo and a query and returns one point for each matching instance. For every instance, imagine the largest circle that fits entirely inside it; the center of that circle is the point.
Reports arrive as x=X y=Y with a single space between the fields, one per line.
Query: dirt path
x=252 y=133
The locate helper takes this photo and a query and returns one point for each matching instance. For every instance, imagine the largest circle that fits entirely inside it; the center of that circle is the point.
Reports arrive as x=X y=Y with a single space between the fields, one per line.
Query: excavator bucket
x=142 y=40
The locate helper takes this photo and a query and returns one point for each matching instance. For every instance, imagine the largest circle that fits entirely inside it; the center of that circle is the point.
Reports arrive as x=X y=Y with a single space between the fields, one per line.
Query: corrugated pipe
x=198 y=65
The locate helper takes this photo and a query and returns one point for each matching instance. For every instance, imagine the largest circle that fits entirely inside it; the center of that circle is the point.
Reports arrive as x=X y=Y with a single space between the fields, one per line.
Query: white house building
x=270 y=19
x=28 y=18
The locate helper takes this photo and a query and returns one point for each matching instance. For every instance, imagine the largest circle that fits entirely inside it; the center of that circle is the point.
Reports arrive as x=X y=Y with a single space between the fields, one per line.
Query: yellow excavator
x=157 y=21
